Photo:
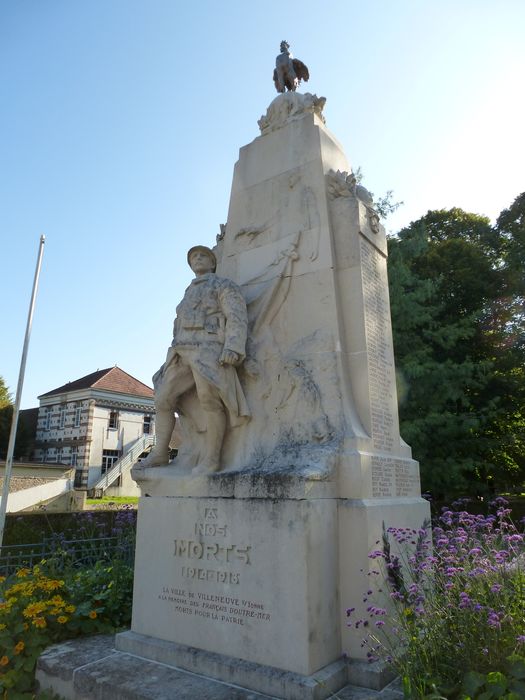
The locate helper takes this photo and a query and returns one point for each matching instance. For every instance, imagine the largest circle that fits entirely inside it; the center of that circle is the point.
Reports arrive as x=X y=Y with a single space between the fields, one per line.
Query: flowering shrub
x=38 y=609
x=456 y=611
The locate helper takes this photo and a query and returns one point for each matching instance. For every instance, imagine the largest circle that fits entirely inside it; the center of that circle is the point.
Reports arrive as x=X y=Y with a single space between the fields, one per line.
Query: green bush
x=44 y=605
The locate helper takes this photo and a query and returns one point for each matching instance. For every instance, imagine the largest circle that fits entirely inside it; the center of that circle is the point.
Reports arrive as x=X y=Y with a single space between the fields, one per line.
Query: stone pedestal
x=218 y=576
x=260 y=561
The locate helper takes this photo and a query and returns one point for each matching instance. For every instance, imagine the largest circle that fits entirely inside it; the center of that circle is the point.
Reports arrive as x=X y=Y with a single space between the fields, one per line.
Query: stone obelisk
x=245 y=574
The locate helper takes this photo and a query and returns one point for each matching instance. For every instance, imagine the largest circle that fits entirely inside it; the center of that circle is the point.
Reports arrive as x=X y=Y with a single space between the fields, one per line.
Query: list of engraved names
x=394 y=477
x=379 y=347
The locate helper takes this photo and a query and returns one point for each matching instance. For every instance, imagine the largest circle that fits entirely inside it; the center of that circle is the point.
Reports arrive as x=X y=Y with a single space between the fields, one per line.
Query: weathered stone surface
x=125 y=677
x=57 y=665
x=273 y=681
x=295 y=482
x=278 y=539
x=90 y=669
x=243 y=577
x=374 y=675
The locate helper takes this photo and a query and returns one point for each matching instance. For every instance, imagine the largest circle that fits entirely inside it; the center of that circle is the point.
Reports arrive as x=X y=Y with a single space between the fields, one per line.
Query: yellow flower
x=62 y=619
x=2 y=579
x=70 y=608
x=2 y=626
x=33 y=609
x=19 y=647
x=4 y=660
x=25 y=626
x=40 y=622
x=93 y=614
x=52 y=585
x=22 y=573
x=57 y=601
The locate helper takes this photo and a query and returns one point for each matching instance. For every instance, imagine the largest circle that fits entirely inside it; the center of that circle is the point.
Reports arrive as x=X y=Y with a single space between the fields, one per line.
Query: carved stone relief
x=342 y=184
x=288 y=107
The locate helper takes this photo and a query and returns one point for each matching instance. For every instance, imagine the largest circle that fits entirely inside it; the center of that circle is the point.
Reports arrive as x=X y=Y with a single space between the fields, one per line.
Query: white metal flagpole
x=16 y=408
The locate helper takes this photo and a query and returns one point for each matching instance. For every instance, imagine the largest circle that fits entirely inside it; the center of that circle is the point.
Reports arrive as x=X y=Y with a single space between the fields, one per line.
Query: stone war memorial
x=254 y=540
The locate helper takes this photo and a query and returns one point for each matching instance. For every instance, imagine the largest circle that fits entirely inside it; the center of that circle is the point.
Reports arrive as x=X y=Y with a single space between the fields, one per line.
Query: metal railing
x=123 y=464
x=78 y=552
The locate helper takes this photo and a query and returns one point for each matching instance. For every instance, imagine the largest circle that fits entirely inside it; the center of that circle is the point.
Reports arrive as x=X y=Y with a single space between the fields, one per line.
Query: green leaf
x=487 y=695
x=517 y=668
x=472 y=682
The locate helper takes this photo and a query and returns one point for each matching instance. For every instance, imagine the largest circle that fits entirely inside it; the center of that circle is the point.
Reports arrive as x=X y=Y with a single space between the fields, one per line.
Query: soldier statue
x=209 y=343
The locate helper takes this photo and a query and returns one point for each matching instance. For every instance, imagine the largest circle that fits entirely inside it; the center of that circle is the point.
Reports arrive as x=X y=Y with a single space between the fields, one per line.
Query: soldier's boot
x=164 y=425
x=214 y=439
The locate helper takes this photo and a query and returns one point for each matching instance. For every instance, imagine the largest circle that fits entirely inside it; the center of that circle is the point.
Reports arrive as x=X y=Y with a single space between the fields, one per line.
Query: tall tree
x=453 y=317
x=24 y=437
x=6 y=412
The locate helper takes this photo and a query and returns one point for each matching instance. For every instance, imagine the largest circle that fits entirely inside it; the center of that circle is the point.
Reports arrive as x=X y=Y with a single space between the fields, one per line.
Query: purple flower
x=464 y=601
x=493 y=620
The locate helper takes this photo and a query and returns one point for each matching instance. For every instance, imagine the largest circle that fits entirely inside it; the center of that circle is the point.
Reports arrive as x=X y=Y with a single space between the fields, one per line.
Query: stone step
x=90 y=668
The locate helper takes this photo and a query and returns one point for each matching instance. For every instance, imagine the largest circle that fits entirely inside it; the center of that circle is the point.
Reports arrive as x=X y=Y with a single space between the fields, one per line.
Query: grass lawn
x=109 y=500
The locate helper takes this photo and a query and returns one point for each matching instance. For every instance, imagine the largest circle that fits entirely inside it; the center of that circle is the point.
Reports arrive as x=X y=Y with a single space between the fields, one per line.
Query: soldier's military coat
x=211 y=317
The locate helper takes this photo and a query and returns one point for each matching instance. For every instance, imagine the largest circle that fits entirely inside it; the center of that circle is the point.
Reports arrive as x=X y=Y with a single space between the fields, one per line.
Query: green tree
x=23 y=436
x=6 y=412
x=459 y=351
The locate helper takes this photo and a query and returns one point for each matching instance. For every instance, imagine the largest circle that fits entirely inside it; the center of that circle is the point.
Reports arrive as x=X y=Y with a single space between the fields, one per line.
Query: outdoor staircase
x=123 y=465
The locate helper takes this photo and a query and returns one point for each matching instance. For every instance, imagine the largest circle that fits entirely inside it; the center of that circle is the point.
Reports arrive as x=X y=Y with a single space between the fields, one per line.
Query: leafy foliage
x=23 y=438
x=6 y=412
x=61 y=598
x=459 y=338
x=39 y=609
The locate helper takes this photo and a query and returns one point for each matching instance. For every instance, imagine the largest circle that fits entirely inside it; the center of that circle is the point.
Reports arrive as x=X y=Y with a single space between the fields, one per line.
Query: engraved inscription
x=379 y=347
x=215 y=551
x=393 y=477
x=203 y=560
x=222 y=608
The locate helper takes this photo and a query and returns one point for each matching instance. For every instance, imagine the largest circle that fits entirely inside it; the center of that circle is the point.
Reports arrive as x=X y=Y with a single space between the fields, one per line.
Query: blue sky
x=121 y=121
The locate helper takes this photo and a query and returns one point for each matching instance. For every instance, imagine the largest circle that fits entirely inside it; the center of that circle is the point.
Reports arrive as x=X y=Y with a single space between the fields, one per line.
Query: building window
x=78 y=411
x=59 y=455
x=109 y=457
x=113 y=420
x=47 y=425
x=74 y=456
x=61 y=416
x=147 y=425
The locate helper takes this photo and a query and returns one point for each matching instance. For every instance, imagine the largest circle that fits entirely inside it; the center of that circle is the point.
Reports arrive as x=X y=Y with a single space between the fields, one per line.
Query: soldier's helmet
x=205 y=249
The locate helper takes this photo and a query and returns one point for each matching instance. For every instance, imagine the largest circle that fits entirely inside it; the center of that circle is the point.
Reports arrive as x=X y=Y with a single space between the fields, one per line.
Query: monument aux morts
x=253 y=541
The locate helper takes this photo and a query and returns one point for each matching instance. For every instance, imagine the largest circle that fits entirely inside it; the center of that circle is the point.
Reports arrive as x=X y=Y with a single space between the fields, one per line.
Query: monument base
x=251 y=578
x=246 y=674
x=90 y=667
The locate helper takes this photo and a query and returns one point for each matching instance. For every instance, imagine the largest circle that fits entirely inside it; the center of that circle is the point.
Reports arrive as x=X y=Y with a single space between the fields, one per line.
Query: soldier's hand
x=229 y=357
